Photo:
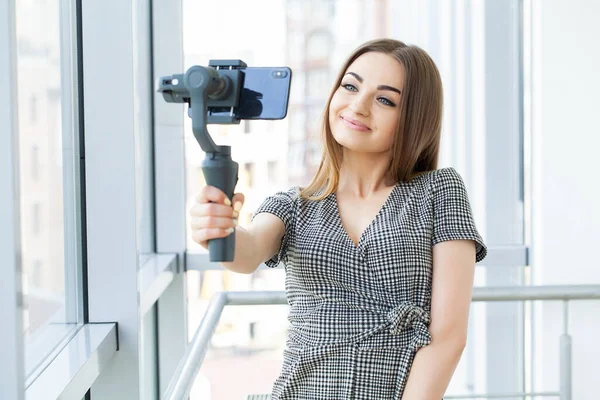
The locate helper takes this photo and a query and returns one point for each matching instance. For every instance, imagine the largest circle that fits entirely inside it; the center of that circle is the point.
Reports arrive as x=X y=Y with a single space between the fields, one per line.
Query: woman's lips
x=354 y=124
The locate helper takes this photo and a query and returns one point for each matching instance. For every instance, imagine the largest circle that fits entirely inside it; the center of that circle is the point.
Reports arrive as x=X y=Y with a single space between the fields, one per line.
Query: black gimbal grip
x=222 y=172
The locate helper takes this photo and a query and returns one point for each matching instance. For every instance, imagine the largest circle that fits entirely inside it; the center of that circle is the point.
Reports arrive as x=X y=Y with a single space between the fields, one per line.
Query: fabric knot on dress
x=408 y=315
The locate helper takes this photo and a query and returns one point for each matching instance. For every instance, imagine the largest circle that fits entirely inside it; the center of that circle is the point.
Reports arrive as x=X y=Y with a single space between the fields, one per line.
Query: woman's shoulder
x=448 y=179
x=289 y=191
x=430 y=184
x=437 y=177
x=440 y=173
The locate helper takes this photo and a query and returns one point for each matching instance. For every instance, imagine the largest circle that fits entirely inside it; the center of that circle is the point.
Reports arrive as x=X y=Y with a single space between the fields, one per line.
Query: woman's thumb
x=238 y=201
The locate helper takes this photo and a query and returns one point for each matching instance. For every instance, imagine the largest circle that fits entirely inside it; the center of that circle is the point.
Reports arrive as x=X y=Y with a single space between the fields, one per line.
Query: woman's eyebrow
x=357 y=76
x=380 y=87
x=386 y=87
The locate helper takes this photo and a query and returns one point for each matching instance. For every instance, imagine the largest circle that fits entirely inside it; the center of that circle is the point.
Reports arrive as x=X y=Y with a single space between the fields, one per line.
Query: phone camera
x=279 y=74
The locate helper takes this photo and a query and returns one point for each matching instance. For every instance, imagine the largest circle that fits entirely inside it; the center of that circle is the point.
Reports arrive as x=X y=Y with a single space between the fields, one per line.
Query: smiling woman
x=367 y=282
x=366 y=289
x=358 y=243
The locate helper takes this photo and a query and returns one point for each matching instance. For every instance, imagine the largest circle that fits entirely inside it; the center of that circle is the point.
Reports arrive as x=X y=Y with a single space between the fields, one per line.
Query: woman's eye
x=385 y=101
x=350 y=87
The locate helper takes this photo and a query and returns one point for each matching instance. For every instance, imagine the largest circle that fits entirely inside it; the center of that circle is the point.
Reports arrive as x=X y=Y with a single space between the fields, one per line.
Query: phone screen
x=265 y=94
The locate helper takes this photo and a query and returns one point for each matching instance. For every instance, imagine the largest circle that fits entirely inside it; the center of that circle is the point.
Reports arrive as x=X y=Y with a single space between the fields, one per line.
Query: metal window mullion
x=527 y=56
x=11 y=297
x=504 y=173
x=463 y=34
x=112 y=185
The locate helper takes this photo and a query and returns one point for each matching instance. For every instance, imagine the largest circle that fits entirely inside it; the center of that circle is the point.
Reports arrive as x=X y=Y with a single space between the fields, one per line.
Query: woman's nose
x=360 y=105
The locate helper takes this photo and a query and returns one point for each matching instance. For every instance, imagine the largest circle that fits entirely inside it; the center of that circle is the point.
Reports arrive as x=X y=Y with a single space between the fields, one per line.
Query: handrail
x=183 y=379
x=189 y=366
x=532 y=293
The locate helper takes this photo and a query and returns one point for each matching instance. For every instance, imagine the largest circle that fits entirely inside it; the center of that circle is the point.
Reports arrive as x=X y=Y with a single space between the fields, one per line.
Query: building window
x=35 y=163
x=36 y=218
x=297 y=119
x=36 y=274
x=249 y=170
x=298 y=88
x=272 y=172
x=296 y=159
x=319 y=46
x=318 y=82
x=33 y=112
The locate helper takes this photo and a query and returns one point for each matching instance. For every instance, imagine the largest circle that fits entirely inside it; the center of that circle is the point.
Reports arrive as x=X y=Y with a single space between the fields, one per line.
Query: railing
x=189 y=366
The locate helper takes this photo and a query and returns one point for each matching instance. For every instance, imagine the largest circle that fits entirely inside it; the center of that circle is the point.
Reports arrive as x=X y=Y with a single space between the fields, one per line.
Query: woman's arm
x=434 y=365
x=256 y=244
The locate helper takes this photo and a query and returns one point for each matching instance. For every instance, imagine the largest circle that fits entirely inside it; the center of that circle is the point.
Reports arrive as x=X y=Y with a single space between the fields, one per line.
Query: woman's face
x=364 y=110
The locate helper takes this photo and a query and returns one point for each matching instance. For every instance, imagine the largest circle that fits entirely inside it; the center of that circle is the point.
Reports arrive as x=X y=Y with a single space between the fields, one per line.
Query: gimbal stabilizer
x=219 y=85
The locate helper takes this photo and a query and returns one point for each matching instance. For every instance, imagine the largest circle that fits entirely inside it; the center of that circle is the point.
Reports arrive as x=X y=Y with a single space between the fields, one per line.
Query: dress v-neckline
x=338 y=217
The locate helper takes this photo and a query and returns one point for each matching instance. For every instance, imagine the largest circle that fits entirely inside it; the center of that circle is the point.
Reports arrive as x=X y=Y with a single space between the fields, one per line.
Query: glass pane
x=47 y=182
x=247 y=338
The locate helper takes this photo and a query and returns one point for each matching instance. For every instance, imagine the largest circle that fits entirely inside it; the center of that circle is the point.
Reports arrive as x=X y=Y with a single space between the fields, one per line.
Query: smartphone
x=265 y=94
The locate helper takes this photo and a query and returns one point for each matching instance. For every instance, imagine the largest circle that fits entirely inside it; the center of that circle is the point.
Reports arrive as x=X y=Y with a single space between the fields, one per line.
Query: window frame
x=12 y=378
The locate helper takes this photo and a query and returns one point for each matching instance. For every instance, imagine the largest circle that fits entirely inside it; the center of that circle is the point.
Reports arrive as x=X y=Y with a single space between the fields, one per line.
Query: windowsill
x=77 y=365
x=155 y=275
x=45 y=345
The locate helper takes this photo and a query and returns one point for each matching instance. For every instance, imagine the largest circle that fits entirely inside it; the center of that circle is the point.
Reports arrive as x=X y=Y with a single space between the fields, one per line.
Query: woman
x=379 y=249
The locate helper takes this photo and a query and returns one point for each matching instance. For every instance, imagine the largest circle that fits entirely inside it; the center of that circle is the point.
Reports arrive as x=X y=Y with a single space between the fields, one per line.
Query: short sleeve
x=281 y=204
x=453 y=217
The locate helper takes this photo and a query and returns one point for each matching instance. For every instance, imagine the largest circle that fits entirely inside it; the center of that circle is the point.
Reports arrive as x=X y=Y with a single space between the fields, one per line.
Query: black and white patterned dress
x=358 y=313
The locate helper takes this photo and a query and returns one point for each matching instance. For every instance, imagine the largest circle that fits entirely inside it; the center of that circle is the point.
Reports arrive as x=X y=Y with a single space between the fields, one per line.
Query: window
x=315 y=119
x=295 y=51
x=324 y=8
x=35 y=162
x=37 y=273
x=297 y=118
x=298 y=87
x=35 y=230
x=49 y=239
x=273 y=172
x=319 y=46
x=318 y=82
x=249 y=172
x=33 y=109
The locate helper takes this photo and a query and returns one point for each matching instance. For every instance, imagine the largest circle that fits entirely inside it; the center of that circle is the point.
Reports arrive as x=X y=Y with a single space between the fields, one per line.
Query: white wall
x=566 y=194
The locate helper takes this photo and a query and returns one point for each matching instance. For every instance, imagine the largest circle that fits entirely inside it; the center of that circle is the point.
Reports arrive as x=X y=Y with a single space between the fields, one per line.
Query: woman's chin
x=355 y=146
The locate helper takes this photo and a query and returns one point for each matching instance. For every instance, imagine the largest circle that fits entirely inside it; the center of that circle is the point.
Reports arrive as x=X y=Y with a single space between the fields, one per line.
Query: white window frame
x=11 y=296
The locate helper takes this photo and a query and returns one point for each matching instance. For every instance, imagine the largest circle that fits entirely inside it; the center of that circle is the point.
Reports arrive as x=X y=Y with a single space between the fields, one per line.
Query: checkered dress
x=359 y=313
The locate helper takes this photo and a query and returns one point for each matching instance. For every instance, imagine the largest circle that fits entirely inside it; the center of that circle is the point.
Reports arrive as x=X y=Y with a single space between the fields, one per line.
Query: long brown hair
x=415 y=147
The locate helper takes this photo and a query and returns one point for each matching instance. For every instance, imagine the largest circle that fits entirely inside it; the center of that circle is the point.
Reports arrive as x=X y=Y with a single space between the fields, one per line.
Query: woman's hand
x=213 y=216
